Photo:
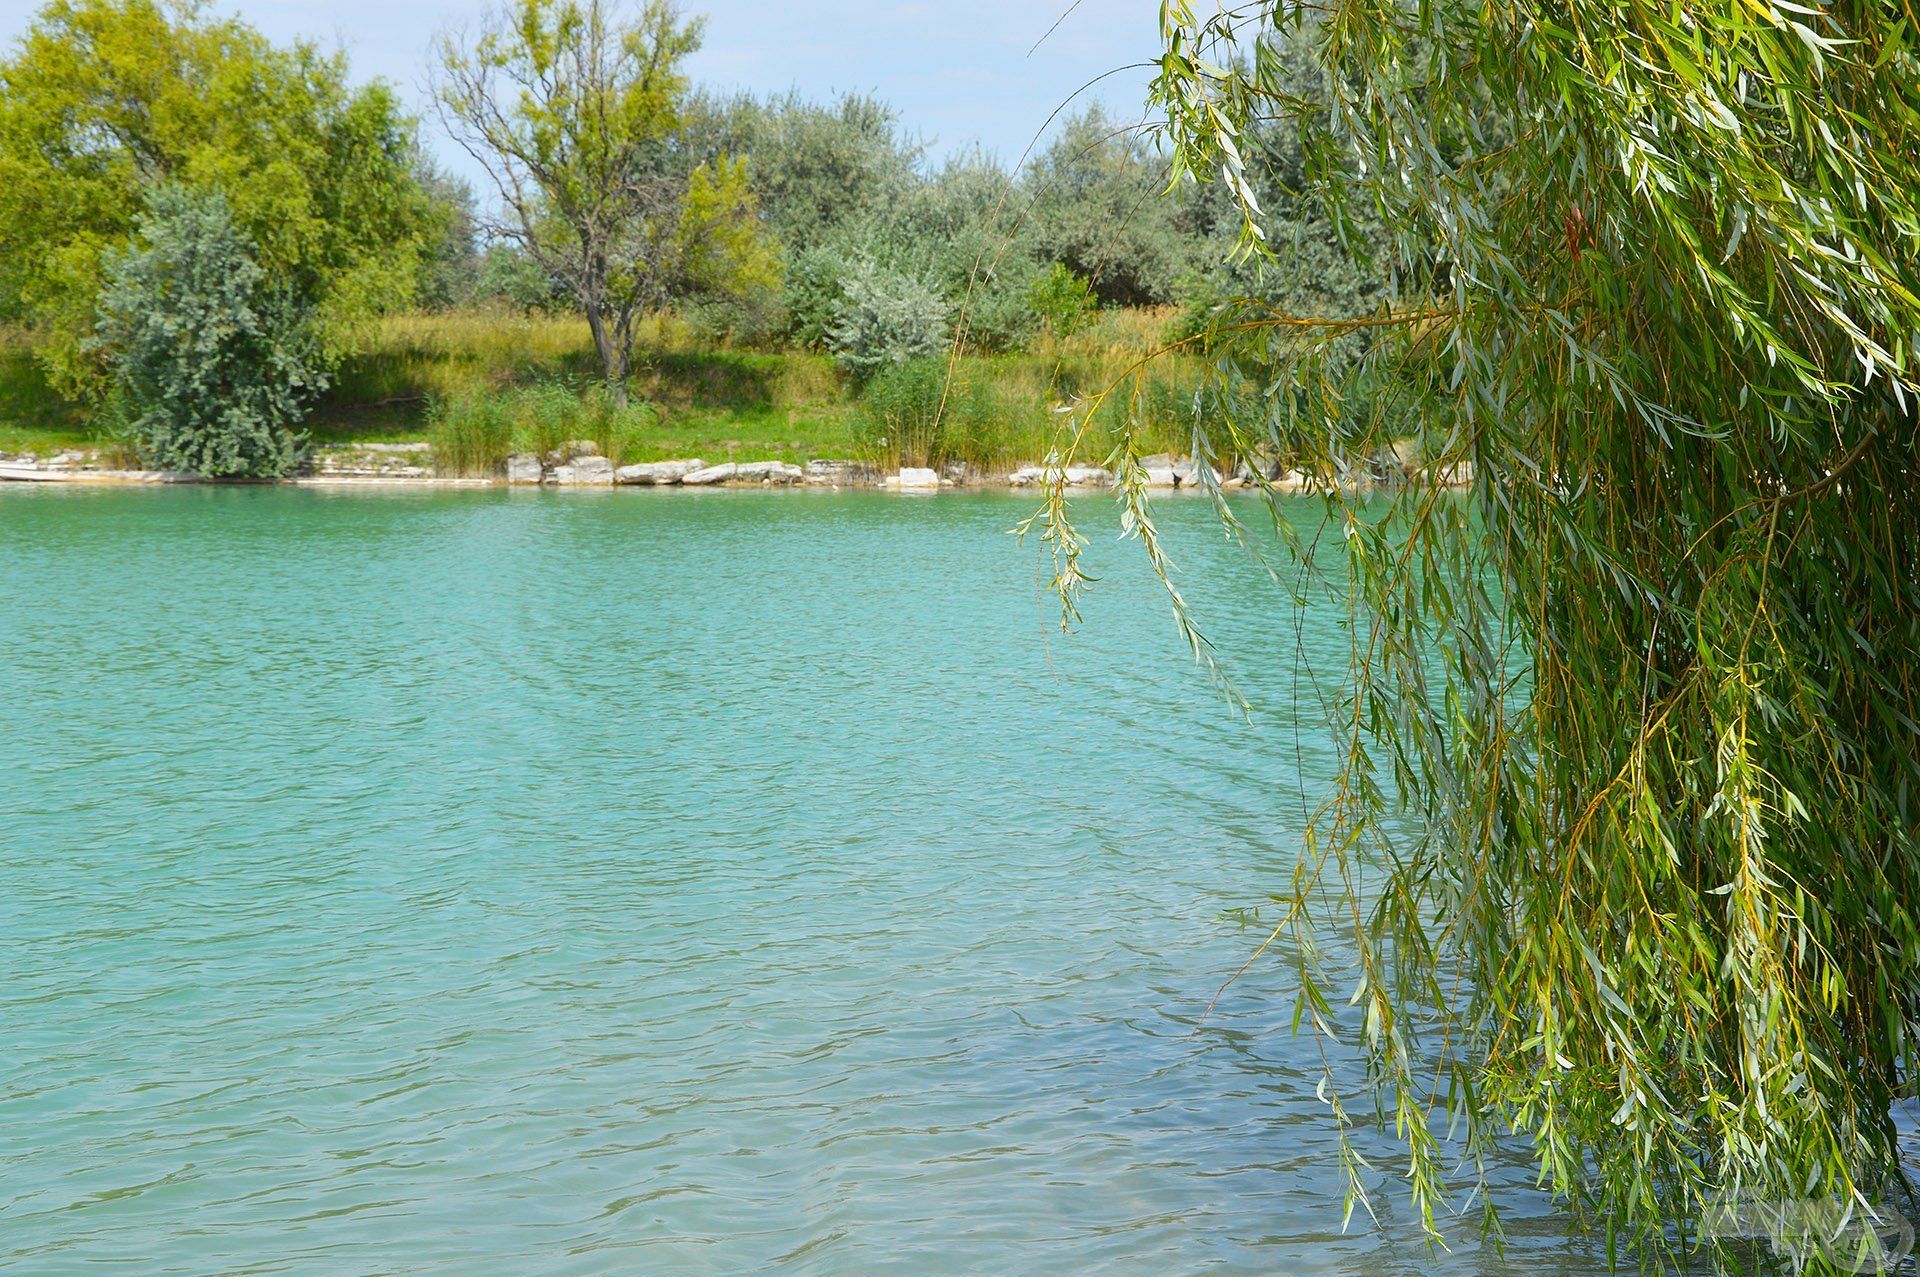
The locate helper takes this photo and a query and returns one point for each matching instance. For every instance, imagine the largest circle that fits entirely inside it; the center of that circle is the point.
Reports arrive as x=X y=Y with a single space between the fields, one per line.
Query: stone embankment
x=578 y=464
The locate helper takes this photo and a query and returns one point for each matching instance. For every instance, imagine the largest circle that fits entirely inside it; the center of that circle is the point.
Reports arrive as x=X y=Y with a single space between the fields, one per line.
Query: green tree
x=719 y=264
x=451 y=269
x=106 y=98
x=1061 y=299
x=510 y=275
x=814 y=167
x=1100 y=206
x=828 y=180
x=1650 y=696
x=214 y=362
x=575 y=110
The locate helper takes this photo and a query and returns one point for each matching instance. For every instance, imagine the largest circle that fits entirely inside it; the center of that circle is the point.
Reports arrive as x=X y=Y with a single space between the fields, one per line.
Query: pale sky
x=958 y=71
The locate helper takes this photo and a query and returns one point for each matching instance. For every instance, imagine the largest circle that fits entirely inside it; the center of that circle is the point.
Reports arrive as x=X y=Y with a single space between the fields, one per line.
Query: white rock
x=1027 y=476
x=584 y=471
x=914 y=477
x=710 y=474
x=1089 y=477
x=769 y=472
x=1158 y=475
x=1190 y=474
x=523 y=467
x=839 y=472
x=570 y=450
x=654 y=473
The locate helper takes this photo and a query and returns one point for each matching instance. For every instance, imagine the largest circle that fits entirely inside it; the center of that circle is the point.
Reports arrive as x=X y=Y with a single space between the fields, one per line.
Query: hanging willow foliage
x=1652 y=689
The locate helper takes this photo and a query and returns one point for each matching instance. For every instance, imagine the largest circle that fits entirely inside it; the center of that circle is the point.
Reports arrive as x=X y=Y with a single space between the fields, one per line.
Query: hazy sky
x=959 y=71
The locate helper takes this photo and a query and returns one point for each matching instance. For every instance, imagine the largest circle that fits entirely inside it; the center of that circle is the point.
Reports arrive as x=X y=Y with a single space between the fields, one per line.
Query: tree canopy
x=108 y=98
x=576 y=110
x=1653 y=694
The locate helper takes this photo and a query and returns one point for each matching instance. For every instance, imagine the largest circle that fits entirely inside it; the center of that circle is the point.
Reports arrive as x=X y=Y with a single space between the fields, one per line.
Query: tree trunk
x=613 y=355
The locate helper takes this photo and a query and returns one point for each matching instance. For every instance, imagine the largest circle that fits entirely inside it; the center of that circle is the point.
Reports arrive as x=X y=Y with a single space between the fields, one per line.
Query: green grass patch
x=33 y=418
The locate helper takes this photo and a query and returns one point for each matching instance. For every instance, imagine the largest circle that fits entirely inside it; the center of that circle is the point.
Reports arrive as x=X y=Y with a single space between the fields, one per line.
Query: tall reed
x=474 y=431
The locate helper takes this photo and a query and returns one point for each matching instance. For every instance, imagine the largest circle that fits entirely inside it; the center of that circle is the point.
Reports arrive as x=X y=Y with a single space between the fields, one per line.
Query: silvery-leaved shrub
x=215 y=364
x=886 y=318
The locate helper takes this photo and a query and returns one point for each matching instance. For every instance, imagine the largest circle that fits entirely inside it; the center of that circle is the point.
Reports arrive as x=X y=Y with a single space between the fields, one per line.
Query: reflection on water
x=589 y=883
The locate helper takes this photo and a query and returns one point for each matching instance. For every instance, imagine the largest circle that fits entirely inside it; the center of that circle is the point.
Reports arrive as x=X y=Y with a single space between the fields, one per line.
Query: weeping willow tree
x=1651 y=689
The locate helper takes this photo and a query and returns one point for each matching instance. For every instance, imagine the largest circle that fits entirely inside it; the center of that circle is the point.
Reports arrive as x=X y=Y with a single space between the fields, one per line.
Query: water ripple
x=501 y=882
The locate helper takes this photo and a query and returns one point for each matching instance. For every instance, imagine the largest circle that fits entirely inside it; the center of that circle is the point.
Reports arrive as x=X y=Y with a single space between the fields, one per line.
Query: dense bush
x=507 y=275
x=840 y=186
x=215 y=364
x=999 y=316
x=815 y=290
x=1061 y=300
x=885 y=317
x=1100 y=205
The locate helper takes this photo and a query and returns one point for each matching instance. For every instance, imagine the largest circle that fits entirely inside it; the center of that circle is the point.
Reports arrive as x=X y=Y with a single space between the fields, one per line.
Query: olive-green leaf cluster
x=846 y=188
x=106 y=99
x=1651 y=695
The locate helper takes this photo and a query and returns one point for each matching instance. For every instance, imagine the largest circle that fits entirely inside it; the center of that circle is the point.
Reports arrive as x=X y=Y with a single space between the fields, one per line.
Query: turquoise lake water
x=578 y=883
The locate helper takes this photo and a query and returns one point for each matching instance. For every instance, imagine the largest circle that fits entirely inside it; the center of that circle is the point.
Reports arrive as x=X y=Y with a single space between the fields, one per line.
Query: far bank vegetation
x=782 y=278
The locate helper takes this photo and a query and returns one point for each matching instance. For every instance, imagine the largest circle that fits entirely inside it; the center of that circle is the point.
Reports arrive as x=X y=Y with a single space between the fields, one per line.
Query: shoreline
x=578 y=466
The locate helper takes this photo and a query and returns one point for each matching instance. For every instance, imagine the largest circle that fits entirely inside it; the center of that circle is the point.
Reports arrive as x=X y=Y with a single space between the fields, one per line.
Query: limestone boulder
x=570 y=450
x=584 y=472
x=707 y=475
x=1191 y=474
x=1159 y=471
x=657 y=473
x=840 y=472
x=775 y=472
x=524 y=467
